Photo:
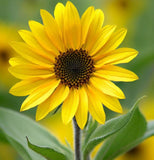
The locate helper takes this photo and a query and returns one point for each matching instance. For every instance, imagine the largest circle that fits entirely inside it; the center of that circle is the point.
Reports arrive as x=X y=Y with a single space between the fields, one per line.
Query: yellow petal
x=105 y=35
x=82 y=111
x=59 y=17
x=85 y=23
x=28 y=37
x=70 y=106
x=95 y=29
x=39 y=33
x=52 y=29
x=25 y=87
x=95 y=107
x=72 y=27
x=25 y=51
x=115 y=73
x=121 y=55
x=40 y=94
x=97 y=21
x=57 y=97
x=30 y=71
x=43 y=109
x=18 y=61
x=113 y=42
x=107 y=87
x=110 y=102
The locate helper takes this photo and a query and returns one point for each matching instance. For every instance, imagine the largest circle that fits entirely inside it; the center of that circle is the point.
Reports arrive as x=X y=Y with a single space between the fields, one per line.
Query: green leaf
x=21 y=150
x=48 y=153
x=3 y=138
x=111 y=127
x=126 y=138
x=17 y=127
x=88 y=130
x=104 y=131
x=149 y=132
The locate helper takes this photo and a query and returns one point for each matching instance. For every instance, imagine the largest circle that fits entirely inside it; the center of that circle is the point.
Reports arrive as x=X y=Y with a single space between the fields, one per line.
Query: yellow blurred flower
x=7 y=34
x=71 y=60
x=7 y=152
x=122 y=11
x=147 y=108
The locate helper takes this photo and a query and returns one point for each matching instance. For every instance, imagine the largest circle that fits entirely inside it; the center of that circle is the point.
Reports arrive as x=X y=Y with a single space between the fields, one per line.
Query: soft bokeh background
x=136 y=15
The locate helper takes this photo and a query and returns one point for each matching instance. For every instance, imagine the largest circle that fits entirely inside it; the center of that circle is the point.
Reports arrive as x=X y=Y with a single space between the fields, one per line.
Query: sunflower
x=71 y=61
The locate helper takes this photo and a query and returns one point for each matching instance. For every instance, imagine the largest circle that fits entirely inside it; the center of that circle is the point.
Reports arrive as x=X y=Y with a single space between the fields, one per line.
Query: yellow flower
x=71 y=60
x=7 y=34
x=122 y=11
x=7 y=152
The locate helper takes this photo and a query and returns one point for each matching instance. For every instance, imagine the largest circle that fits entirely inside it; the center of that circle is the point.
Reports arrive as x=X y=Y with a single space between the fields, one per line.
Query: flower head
x=71 y=61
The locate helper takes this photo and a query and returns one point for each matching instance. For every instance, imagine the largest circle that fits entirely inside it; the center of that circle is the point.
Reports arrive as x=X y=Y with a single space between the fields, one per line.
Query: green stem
x=77 y=140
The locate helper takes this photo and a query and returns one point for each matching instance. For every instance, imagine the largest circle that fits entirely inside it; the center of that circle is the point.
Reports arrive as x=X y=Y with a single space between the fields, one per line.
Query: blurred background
x=135 y=15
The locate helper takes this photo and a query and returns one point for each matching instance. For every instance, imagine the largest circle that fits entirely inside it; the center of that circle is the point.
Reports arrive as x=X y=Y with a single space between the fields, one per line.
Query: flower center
x=74 y=67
